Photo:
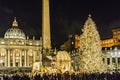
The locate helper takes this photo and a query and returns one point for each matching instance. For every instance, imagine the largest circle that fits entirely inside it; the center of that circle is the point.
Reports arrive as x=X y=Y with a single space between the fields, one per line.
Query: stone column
x=20 y=59
x=105 y=61
x=40 y=56
x=116 y=62
x=13 y=59
x=34 y=56
x=8 y=58
x=40 y=59
x=111 y=61
x=25 y=58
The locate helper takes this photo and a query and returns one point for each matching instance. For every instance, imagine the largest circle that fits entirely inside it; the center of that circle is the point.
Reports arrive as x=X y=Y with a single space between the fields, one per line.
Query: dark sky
x=67 y=17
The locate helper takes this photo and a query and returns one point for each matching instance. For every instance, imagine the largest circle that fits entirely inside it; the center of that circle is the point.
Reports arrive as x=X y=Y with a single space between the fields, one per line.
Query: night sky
x=67 y=17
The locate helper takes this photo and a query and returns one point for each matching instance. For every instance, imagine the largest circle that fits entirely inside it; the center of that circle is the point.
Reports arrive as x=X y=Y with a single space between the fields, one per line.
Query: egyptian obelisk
x=46 y=24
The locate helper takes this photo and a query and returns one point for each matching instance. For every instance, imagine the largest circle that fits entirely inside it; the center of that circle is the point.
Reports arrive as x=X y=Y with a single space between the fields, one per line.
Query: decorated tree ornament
x=90 y=49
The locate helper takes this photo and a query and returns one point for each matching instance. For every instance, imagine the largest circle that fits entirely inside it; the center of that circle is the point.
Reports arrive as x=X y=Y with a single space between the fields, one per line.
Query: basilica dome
x=15 y=32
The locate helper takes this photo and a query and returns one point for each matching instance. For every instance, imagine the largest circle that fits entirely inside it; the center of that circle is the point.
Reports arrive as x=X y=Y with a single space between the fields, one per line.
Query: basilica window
x=108 y=61
x=30 y=54
x=113 y=60
x=103 y=60
x=119 y=60
x=17 y=55
x=2 y=42
x=30 y=43
x=3 y=52
x=23 y=54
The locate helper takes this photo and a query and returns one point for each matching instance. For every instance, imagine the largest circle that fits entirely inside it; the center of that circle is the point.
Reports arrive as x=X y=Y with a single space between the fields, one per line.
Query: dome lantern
x=15 y=24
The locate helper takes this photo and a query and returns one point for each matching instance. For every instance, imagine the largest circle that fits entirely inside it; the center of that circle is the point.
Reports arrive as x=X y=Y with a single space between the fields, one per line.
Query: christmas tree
x=90 y=49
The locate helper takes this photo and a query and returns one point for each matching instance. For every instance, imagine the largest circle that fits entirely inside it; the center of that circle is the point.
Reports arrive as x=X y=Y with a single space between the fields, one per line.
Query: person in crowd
x=63 y=76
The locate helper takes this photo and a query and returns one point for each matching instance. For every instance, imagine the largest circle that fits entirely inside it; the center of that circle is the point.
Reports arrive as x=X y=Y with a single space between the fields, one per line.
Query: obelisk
x=46 y=24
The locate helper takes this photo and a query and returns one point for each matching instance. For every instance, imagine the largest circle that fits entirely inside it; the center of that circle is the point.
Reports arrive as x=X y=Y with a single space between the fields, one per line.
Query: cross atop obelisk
x=46 y=24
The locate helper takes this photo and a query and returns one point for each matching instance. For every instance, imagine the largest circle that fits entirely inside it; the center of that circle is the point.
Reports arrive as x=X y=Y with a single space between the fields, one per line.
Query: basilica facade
x=17 y=50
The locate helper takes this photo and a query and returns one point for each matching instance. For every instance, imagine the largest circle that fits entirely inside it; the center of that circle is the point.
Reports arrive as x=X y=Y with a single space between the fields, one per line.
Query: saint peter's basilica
x=17 y=50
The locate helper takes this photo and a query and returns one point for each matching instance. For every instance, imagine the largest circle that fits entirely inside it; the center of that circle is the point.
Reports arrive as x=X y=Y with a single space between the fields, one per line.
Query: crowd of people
x=64 y=76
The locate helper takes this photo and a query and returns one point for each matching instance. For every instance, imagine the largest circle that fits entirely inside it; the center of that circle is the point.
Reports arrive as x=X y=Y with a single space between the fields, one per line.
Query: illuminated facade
x=111 y=51
x=17 y=50
x=115 y=41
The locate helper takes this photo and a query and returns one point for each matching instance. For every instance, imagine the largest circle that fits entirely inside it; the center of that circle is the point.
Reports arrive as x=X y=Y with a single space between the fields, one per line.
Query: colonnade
x=20 y=58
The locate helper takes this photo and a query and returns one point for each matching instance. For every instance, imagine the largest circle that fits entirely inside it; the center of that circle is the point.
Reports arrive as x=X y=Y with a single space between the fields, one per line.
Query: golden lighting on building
x=17 y=51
